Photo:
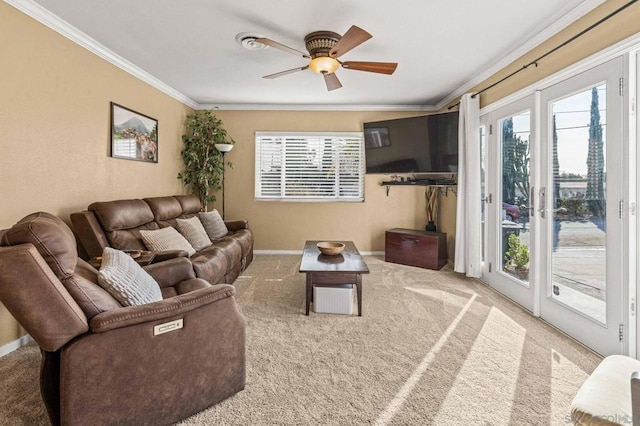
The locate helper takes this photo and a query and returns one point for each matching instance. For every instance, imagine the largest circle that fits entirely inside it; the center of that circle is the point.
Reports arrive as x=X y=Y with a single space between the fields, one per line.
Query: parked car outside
x=512 y=212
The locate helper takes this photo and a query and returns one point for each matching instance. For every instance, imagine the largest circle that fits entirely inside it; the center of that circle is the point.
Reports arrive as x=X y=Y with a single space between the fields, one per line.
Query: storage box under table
x=333 y=299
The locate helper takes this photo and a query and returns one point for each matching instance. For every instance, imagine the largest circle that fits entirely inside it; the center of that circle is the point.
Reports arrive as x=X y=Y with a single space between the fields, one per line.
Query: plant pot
x=521 y=274
x=224 y=147
x=431 y=227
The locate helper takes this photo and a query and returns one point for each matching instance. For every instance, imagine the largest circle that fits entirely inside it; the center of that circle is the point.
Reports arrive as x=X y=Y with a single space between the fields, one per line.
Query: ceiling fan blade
x=379 y=67
x=282 y=47
x=281 y=73
x=352 y=38
x=332 y=81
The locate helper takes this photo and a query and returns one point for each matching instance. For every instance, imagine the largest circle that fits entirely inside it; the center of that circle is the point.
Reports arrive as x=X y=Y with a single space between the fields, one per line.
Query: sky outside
x=573 y=115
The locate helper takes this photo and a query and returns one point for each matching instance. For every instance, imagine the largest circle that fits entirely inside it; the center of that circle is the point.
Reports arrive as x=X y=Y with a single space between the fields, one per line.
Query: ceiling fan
x=325 y=47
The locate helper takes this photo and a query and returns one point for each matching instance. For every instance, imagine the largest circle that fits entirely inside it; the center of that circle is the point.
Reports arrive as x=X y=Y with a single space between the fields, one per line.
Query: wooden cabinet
x=415 y=248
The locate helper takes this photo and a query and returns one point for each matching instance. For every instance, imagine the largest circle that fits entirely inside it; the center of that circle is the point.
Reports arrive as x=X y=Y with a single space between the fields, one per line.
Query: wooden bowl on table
x=330 y=248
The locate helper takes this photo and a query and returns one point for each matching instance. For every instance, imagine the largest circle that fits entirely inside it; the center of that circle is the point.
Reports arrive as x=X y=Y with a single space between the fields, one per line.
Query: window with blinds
x=309 y=166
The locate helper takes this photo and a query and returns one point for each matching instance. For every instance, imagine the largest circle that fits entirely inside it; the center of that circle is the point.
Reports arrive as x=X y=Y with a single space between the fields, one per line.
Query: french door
x=507 y=135
x=581 y=207
x=554 y=205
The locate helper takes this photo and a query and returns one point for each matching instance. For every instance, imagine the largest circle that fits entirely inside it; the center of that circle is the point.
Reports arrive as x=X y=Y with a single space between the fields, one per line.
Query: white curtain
x=468 y=257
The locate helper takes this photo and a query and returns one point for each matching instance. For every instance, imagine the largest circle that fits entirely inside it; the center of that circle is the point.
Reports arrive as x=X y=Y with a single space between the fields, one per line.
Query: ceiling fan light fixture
x=324 y=64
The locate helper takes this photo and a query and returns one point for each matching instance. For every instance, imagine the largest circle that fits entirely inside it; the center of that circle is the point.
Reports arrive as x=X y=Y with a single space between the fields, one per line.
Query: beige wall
x=619 y=27
x=286 y=225
x=54 y=130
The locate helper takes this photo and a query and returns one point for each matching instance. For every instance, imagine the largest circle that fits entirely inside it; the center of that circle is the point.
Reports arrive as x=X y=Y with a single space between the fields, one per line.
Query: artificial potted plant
x=203 y=163
x=517 y=257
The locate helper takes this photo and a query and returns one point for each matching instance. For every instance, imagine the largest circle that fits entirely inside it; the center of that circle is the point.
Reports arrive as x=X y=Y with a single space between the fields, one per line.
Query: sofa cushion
x=166 y=239
x=121 y=214
x=122 y=220
x=190 y=203
x=194 y=232
x=83 y=286
x=244 y=237
x=52 y=238
x=130 y=239
x=231 y=250
x=213 y=224
x=125 y=280
x=164 y=208
x=210 y=264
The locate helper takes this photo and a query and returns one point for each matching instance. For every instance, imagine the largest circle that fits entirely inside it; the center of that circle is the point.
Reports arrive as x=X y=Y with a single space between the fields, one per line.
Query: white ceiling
x=443 y=47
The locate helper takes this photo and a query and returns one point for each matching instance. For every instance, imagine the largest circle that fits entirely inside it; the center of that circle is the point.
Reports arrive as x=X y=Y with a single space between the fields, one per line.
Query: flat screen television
x=423 y=144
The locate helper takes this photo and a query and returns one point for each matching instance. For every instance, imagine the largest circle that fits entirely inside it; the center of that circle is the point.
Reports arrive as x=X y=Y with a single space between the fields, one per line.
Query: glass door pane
x=507 y=135
x=514 y=202
x=579 y=184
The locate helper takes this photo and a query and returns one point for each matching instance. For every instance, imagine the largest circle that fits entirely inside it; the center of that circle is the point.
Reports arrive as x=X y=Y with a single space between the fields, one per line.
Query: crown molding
x=42 y=15
x=62 y=27
x=553 y=26
x=312 y=107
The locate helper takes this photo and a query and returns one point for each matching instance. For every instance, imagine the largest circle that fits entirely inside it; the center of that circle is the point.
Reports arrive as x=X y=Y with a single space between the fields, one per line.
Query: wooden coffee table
x=345 y=268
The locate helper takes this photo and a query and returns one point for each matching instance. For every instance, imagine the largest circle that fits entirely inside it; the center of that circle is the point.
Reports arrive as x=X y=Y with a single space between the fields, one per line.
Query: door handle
x=532 y=210
x=411 y=240
x=542 y=202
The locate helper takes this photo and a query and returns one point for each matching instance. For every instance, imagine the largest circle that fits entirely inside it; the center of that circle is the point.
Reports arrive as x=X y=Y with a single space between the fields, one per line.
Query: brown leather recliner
x=103 y=363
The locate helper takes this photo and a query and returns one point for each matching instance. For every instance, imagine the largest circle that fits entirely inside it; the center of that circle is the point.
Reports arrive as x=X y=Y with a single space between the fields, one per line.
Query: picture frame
x=376 y=137
x=134 y=136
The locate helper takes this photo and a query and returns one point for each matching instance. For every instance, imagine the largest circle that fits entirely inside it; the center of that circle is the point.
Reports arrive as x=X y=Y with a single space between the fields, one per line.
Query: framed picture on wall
x=134 y=136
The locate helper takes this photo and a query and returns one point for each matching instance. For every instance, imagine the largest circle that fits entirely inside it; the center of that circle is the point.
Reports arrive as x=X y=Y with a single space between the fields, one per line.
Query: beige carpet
x=431 y=348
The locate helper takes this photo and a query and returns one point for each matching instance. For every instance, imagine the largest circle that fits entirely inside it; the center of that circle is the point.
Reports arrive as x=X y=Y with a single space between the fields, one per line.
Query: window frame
x=292 y=136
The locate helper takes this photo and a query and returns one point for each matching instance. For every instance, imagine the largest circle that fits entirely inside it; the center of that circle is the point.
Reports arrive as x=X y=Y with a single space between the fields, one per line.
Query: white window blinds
x=309 y=166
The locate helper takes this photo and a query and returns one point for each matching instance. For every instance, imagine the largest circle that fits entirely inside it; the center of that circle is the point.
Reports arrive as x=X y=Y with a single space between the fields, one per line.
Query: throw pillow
x=213 y=224
x=194 y=232
x=166 y=239
x=125 y=280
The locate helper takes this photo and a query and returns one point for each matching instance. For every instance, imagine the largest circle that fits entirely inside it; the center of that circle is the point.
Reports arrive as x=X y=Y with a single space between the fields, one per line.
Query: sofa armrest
x=234 y=225
x=89 y=232
x=161 y=256
x=27 y=281
x=167 y=308
x=171 y=272
x=191 y=285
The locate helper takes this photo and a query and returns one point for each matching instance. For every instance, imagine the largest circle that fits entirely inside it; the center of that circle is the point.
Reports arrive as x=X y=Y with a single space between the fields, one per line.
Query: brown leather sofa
x=101 y=362
x=118 y=224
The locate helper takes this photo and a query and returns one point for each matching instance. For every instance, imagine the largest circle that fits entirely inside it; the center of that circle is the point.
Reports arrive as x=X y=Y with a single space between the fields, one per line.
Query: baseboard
x=16 y=344
x=363 y=253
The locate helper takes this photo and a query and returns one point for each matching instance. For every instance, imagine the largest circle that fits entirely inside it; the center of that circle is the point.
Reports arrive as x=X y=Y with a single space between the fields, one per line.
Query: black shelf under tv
x=444 y=187
x=410 y=182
